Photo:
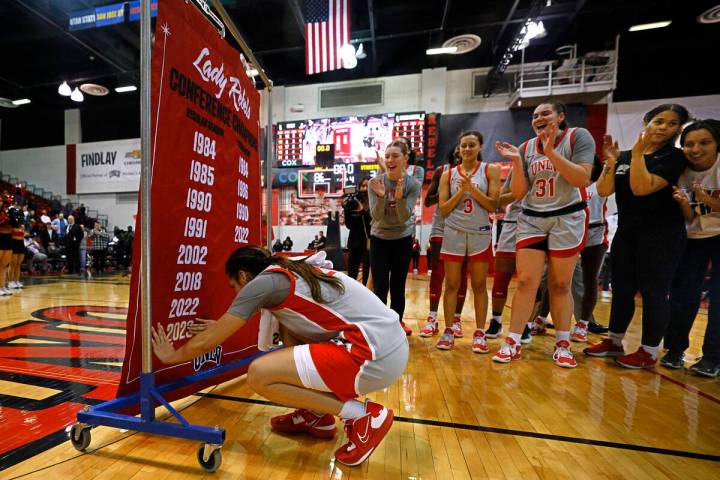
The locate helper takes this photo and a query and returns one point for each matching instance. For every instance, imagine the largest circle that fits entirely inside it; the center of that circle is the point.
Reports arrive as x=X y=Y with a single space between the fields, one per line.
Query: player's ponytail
x=254 y=260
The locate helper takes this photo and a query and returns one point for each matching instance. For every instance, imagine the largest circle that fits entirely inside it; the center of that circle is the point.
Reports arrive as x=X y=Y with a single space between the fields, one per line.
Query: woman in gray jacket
x=393 y=196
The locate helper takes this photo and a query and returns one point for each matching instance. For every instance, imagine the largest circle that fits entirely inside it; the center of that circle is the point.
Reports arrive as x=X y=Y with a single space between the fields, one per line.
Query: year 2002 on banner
x=205 y=190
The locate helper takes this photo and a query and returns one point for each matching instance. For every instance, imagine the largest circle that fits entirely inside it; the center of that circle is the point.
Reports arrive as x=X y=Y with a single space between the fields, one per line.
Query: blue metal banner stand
x=150 y=395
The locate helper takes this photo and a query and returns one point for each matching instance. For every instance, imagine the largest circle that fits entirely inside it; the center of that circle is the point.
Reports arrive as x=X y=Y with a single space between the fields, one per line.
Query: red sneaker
x=538 y=327
x=430 y=329
x=364 y=434
x=606 y=348
x=457 y=329
x=479 y=344
x=509 y=350
x=562 y=356
x=447 y=341
x=303 y=421
x=639 y=359
x=405 y=328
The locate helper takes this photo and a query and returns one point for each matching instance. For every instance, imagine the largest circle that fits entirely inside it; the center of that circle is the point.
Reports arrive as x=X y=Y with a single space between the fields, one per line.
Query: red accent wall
x=70 y=169
x=596 y=123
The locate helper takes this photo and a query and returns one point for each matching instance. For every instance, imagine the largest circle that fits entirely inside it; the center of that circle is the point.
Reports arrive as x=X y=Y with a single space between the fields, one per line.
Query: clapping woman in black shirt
x=651 y=232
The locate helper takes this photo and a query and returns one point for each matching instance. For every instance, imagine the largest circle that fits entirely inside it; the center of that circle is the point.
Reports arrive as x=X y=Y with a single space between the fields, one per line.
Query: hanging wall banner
x=206 y=199
x=108 y=167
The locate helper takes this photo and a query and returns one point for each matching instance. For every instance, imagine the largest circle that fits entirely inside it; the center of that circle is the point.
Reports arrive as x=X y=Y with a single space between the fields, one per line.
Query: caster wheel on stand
x=80 y=436
x=209 y=457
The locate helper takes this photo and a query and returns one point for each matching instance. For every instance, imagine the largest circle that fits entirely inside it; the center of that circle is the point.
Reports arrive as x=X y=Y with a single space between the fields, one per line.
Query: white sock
x=352 y=409
x=582 y=323
x=530 y=324
x=515 y=336
x=433 y=315
x=562 y=335
x=481 y=330
x=653 y=351
x=616 y=338
x=497 y=318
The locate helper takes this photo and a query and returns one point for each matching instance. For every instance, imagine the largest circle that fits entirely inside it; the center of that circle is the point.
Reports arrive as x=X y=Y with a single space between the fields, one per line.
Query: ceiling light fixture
x=76 y=95
x=650 y=26
x=710 y=16
x=440 y=50
x=126 y=88
x=21 y=101
x=529 y=31
x=347 y=55
x=64 y=89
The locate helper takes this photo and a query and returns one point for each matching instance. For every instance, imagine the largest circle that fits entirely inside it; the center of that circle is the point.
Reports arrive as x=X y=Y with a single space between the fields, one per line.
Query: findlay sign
x=108 y=167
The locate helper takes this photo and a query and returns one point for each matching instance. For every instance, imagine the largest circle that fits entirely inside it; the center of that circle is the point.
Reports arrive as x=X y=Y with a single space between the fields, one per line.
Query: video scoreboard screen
x=354 y=139
x=333 y=181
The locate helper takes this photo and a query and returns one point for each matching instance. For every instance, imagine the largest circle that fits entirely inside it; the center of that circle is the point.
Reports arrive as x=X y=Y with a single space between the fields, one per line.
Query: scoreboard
x=412 y=126
x=333 y=181
x=351 y=139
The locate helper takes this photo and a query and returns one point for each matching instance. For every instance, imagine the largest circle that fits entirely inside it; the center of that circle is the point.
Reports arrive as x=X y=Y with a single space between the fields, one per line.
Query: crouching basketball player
x=343 y=343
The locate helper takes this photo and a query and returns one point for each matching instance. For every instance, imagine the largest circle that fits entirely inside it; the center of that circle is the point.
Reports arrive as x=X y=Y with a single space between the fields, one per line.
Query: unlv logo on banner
x=205 y=190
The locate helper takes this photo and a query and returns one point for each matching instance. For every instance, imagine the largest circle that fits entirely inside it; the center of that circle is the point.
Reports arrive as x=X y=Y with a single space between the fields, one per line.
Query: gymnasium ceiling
x=39 y=51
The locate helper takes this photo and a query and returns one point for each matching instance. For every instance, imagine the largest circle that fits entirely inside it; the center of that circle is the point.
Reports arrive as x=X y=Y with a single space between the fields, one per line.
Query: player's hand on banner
x=508 y=151
x=200 y=325
x=162 y=346
x=378 y=186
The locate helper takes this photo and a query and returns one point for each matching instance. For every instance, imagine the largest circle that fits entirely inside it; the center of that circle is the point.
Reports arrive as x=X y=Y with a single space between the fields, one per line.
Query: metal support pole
x=146 y=177
x=268 y=169
x=230 y=25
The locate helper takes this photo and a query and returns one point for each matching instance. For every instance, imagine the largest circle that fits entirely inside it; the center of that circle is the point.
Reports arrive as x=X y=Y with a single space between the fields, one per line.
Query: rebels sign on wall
x=205 y=189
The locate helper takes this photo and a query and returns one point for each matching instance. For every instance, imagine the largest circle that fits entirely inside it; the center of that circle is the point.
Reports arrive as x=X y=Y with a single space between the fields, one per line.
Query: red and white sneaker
x=447 y=341
x=406 y=329
x=538 y=327
x=457 y=329
x=430 y=328
x=562 y=356
x=509 y=350
x=639 y=359
x=364 y=434
x=579 y=333
x=304 y=421
x=479 y=344
x=606 y=348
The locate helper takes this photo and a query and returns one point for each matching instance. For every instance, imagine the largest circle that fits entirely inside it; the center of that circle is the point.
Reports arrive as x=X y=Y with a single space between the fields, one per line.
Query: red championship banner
x=206 y=194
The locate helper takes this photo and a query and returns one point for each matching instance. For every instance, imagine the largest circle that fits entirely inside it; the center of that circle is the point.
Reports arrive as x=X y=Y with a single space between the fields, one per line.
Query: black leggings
x=389 y=263
x=356 y=256
x=645 y=260
x=685 y=297
x=590 y=258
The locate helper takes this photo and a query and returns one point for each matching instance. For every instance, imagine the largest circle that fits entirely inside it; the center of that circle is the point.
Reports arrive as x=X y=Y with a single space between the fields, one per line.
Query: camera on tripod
x=352 y=199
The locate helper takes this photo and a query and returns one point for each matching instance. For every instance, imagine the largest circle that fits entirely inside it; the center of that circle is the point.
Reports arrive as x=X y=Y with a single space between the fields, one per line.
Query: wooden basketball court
x=458 y=414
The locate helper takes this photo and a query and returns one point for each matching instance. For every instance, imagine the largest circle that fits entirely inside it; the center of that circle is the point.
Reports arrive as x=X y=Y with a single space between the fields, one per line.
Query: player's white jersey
x=438 y=221
x=468 y=215
x=367 y=327
x=596 y=205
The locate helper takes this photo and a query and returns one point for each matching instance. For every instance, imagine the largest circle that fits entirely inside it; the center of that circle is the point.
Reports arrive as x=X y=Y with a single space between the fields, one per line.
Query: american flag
x=327 y=29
